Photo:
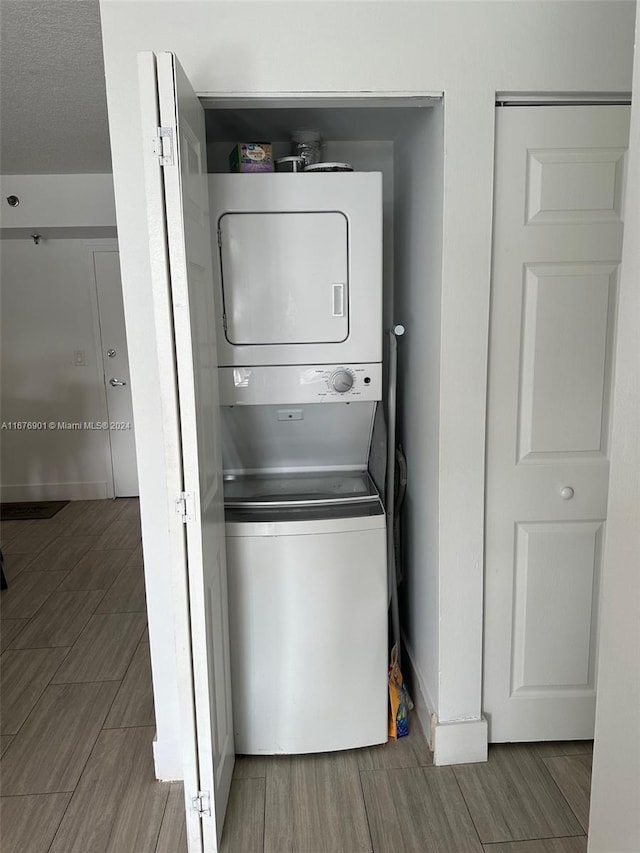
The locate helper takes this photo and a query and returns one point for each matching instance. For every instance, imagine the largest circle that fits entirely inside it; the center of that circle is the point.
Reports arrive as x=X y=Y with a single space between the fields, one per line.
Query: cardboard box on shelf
x=251 y=157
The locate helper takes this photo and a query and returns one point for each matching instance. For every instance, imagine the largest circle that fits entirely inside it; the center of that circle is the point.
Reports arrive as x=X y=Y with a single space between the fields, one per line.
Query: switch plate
x=79 y=358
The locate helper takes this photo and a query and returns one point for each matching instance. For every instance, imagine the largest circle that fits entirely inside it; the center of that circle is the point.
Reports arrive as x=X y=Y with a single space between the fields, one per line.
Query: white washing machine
x=306 y=558
x=306 y=562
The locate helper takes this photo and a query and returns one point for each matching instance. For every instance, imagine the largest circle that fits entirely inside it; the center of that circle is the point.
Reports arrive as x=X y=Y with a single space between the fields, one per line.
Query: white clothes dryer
x=297 y=267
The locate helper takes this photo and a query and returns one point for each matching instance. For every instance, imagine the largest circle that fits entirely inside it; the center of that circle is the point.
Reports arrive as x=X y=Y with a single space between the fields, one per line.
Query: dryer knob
x=342 y=381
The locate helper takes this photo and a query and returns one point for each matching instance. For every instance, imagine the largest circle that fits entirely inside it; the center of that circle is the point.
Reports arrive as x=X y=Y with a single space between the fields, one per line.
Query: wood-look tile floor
x=77 y=724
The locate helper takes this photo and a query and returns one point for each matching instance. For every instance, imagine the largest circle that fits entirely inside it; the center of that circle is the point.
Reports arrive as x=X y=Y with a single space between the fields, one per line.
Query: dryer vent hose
x=400 y=491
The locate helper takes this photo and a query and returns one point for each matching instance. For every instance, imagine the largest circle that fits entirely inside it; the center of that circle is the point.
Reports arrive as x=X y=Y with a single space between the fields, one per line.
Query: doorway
x=115 y=372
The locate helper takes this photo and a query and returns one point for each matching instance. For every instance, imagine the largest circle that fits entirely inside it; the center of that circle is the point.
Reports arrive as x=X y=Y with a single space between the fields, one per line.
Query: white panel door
x=115 y=363
x=557 y=246
x=188 y=248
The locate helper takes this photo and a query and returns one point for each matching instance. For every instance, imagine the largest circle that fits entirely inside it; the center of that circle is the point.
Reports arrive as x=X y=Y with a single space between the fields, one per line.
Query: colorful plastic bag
x=399 y=700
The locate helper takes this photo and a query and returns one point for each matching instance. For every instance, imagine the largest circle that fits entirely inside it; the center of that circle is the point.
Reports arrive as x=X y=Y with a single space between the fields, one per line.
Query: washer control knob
x=342 y=381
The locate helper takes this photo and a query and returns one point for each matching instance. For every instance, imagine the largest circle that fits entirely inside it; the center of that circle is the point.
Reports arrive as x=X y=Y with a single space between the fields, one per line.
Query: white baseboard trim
x=167 y=758
x=424 y=706
x=460 y=742
x=457 y=742
x=55 y=492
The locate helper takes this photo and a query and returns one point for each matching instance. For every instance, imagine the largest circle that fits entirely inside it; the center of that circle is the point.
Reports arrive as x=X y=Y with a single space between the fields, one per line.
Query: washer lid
x=270 y=490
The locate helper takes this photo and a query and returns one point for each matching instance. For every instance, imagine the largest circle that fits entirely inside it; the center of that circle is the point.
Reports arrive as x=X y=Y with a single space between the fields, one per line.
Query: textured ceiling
x=52 y=92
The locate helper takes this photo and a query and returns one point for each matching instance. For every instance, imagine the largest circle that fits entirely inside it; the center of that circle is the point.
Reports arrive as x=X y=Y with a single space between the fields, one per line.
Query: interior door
x=115 y=362
x=184 y=227
x=557 y=246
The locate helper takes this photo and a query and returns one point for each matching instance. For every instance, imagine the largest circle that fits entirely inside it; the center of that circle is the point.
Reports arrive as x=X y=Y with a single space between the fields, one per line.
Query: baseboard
x=460 y=742
x=457 y=742
x=167 y=758
x=424 y=706
x=55 y=492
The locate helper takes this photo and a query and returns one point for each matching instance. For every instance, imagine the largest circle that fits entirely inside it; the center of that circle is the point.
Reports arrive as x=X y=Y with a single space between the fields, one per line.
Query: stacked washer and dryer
x=298 y=277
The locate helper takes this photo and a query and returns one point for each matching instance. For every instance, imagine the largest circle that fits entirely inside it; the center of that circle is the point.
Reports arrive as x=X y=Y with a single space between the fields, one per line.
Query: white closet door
x=185 y=240
x=557 y=246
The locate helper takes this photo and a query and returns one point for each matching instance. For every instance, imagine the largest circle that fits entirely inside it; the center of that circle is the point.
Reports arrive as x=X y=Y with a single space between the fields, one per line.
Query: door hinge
x=219 y=238
x=163 y=145
x=185 y=506
x=201 y=804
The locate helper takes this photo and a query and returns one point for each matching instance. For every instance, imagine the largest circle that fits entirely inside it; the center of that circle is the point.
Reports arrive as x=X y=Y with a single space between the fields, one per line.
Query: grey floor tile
x=96 y=570
x=94 y=519
x=40 y=526
x=118 y=805
x=72 y=511
x=9 y=630
x=572 y=774
x=173 y=831
x=29 y=823
x=5 y=740
x=314 y=803
x=136 y=558
x=563 y=747
x=62 y=554
x=60 y=619
x=133 y=705
x=10 y=528
x=50 y=751
x=104 y=649
x=129 y=508
x=28 y=592
x=121 y=533
x=127 y=595
x=573 y=844
x=244 y=824
x=29 y=542
x=23 y=677
x=418 y=809
x=250 y=767
x=513 y=797
x=410 y=751
x=13 y=564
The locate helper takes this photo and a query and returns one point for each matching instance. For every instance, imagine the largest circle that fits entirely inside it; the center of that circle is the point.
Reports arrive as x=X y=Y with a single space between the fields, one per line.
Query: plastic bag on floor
x=399 y=700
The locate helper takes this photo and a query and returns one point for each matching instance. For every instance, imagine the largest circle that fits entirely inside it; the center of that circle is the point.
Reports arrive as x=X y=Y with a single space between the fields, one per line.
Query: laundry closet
x=302 y=263
x=279 y=296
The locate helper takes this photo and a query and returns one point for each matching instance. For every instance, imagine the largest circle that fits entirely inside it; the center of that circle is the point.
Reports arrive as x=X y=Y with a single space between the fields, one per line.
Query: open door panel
x=178 y=216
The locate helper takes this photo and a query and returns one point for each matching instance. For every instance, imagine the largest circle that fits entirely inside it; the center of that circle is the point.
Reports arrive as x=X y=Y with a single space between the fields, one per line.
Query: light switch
x=79 y=358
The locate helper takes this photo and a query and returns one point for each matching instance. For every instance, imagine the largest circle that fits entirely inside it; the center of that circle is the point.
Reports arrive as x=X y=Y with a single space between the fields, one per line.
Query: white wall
x=614 y=825
x=53 y=204
x=49 y=313
x=419 y=163
x=469 y=51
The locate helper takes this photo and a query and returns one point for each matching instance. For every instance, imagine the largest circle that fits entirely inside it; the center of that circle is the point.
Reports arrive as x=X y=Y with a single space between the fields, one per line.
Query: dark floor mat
x=30 y=509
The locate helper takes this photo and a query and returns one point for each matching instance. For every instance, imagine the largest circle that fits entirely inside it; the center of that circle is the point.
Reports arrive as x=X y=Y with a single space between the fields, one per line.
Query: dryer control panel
x=307 y=383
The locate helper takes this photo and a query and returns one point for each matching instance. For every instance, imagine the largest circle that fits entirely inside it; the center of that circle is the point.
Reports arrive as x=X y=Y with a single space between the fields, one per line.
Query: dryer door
x=285 y=277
